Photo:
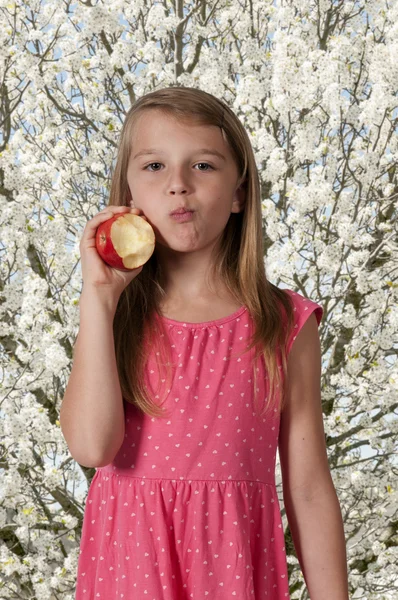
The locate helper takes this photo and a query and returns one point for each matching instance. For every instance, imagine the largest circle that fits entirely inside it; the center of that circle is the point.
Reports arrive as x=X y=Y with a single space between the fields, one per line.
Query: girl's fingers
x=105 y=214
x=111 y=210
x=114 y=209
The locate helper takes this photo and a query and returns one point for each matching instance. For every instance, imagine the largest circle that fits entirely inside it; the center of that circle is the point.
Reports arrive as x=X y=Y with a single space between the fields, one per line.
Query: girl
x=183 y=502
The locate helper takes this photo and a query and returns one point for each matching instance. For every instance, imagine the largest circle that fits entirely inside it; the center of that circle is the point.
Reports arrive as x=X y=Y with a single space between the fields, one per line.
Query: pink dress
x=188 y=508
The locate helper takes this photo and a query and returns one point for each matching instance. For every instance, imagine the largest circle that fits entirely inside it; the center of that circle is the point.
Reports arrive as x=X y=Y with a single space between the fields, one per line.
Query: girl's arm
x=310 y=498
x=92 y=412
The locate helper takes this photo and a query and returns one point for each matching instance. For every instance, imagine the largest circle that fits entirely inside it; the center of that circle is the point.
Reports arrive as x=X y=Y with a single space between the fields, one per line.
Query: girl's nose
x=178 y=184
x=178 y=179
x=178 y=189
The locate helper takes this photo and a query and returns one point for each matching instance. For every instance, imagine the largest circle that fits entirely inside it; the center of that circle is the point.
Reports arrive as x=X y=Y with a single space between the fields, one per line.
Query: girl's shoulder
x=302 y=308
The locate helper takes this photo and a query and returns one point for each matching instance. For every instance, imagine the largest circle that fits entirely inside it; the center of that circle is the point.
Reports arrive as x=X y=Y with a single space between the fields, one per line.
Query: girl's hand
x=97 y=275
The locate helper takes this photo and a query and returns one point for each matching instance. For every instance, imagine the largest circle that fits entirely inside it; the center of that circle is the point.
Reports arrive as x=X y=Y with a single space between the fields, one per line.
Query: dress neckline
x=215 y=322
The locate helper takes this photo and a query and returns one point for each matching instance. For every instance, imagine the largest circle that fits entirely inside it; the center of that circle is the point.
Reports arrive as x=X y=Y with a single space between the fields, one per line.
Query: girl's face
x=169 y=168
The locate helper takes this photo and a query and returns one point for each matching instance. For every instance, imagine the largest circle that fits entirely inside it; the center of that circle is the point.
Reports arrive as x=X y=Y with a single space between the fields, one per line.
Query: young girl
x=188 y=373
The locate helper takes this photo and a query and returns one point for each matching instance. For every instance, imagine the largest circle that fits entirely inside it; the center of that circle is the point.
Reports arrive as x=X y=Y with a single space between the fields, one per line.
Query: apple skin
x=106 y=249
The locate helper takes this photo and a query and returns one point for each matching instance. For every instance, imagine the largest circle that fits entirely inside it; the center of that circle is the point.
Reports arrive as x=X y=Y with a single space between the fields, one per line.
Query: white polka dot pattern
x=188 y=508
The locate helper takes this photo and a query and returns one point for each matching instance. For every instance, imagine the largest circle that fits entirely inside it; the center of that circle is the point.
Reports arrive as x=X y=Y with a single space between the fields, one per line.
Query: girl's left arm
x=310 y=499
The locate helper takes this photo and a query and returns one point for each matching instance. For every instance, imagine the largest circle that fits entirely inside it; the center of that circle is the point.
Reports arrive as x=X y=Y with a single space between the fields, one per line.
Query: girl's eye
x=150 y=165
x=205 y=164
x=156 y=163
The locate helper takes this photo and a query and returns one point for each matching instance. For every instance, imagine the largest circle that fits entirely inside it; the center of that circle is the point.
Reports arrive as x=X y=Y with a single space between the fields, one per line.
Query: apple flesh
x=125 y=242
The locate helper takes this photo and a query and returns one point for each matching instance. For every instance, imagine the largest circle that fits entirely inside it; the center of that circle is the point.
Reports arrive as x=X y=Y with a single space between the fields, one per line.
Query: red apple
x=125 y=241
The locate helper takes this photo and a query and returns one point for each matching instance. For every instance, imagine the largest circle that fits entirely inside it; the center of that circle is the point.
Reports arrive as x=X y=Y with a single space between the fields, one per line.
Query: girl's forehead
x=157 y=118
x=155 y=130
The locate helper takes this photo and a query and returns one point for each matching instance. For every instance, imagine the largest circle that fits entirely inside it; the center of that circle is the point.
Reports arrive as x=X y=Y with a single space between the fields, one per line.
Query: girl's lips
x=183 y=217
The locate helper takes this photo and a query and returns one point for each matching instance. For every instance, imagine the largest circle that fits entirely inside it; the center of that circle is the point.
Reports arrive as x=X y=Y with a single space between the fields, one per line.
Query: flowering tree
x=315 y=84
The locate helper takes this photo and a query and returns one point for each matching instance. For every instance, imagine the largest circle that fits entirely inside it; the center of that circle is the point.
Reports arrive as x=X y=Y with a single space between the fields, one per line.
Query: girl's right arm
x=92 y=413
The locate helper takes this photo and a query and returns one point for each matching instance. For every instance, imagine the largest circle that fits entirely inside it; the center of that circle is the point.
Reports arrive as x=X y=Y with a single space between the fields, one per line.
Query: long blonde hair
x=238 y=262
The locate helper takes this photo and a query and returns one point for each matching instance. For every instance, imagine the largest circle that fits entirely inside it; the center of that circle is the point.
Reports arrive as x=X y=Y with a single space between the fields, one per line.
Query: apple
x=125 y=241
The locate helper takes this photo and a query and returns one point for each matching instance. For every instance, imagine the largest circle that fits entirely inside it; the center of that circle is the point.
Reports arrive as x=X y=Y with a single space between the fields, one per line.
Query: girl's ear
x=239 y=198
x=130 y=200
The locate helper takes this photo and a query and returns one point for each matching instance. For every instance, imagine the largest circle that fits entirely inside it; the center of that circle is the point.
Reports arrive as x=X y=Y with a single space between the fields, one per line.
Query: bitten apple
x=125 y=241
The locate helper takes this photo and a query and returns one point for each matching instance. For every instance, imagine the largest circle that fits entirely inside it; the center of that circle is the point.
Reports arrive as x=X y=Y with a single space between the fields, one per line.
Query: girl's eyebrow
x=210 y=151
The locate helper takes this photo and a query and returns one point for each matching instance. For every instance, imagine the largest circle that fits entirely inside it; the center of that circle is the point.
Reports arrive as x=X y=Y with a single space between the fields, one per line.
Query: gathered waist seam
x=118 y=474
